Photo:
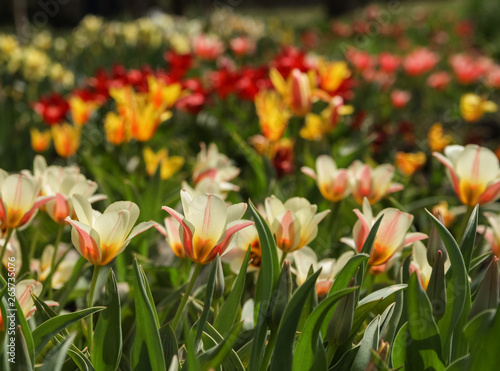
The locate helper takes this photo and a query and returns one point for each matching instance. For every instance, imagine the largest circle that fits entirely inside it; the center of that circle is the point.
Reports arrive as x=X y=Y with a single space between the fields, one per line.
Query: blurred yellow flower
x=473 y=107
x=273 y=114
x=332 y=74
x=437 y=139
x=81 y=110
x=115 y=128
x=408 y=163
x=40 y=141
x=168 y=165
x=296 y=90
x=66 y=139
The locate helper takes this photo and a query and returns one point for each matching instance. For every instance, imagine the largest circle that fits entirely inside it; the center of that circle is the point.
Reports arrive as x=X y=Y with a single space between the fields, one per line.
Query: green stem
x=463 y=224
x=185 y=298
x=4 y=247
x=269 y=350
x=53 y=265
x=90 y=303
x=283 y=257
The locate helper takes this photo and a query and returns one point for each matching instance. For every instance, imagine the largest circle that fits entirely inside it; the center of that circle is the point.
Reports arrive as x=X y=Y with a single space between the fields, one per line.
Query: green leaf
x=398 y=309
x=215 y=356
x=467 y=243
x=50 y=328
x=308 y=341
x=209 y=293
x=107 y=349
x=424 y=348
x=232 y=361
x=283 y=352
x=169 y=342
x=346 y=360
x=341 y=281
x=22 y=359
x=268 y=277
x=370 y=341
x=56 y=357
x=367 y=246
x=227 y=314
x=28 y=338
x=398 y=354
x=483 y=334
x=382 y=293
x=147 y=348
x=456 y=288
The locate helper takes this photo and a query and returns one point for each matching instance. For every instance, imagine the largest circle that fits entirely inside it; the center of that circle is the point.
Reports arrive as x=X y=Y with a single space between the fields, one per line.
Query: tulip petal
x=308 y=171
x=236 y=211
x=187 y=228
x=414 y=237
x=131 y=207
x=83 y=210
x=112 y=228
x=141 y=227
x=86 y=240
x=221 y=247
x=451 y=170
x=491 y=194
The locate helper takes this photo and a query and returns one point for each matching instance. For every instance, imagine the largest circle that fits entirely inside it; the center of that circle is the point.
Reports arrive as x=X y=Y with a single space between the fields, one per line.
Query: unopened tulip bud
x=340 y=325
x=281 y=296
x=436 y=289
x=219 y=280
x=435 y=243
x=488 y=294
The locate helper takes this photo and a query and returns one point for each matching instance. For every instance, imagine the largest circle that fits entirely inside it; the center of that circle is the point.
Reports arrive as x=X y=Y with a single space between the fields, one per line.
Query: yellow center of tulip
x=471 y=192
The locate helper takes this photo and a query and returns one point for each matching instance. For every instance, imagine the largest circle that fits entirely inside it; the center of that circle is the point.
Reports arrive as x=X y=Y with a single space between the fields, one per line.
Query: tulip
x=273 y=114
x=19 y=199
x=420 y=61
x=64 y=268
x=420 y=265
x=116 y=129
x=163 y=95
x=332 y=75
x=388 y=62
x=171 y=233
x=466 y=69
x=100 y=237
x=12 y=251
x=207 y=47
x=296 y=90
x=306 y=257
x=437 y=139
x=242 y=46
x=207 y=225
x=53 y=109
x=24 y=290
x=61 y=183
x=168 y=165
x=473 y=107
x=81 y=110
x=333 y=183
x=40 y=141
x=210 y=163
x=371 y=183
x=294 y=223
x=66 y=139
x=391 y=236
x=235 y=255
x=447 y=214
x=439 y=80
x=400 y=98
x=492 y=233
x=474 y=172
x=408 y=163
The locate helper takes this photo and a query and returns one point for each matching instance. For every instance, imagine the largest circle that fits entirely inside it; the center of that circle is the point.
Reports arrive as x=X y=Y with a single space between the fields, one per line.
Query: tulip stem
x=269 y=350
x=463 y=225
x=53 y=265
x=283 y=257
x=185 y=298
x=4 y=247
x=90 y=303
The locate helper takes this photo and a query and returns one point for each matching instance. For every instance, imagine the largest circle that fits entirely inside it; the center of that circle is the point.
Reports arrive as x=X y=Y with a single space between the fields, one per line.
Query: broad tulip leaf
x=483 y=334
x=283 y=352
x=147 y=348
x=47 y=330
x=227 y=315
x=169 y=342
x=107 y=349
x=209 y=293
x=307 y=344
x=54 y=361
x=232 y=361
x=370 y=341
x=214 y=357
x=268 y=277
x=467 y=243
x=457 y=285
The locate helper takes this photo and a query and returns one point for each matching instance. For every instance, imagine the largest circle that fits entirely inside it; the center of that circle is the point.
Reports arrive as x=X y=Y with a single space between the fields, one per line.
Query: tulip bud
x=436 y=289
x=281 y=296
x=435 y=243
x=219 y=280
x=488 y=293
x=340 y=325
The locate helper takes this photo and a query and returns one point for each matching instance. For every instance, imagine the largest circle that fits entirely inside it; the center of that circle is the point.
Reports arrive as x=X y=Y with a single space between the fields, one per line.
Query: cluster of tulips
x=307 y=202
